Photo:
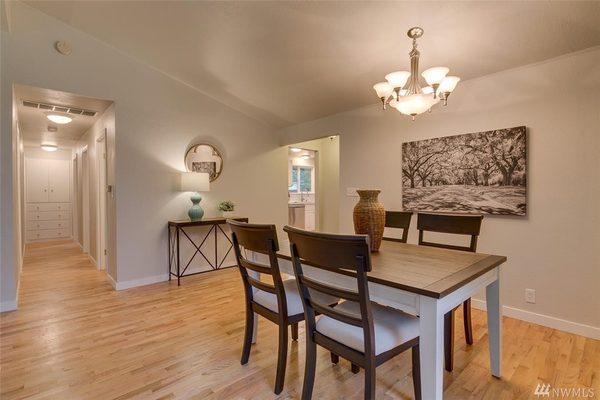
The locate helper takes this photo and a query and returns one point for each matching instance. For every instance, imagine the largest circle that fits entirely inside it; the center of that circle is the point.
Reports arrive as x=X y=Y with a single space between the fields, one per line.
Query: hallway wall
x=157 y=118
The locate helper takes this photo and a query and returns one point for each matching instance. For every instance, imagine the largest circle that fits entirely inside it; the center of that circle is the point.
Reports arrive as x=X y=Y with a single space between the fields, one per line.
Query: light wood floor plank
x=73 y=337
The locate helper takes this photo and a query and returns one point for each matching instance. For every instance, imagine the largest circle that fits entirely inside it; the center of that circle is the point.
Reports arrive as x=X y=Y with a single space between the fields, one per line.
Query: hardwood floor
x=73 y=337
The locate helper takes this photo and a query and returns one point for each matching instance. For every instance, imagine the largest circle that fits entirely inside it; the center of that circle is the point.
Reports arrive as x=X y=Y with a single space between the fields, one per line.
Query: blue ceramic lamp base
x=196 y=212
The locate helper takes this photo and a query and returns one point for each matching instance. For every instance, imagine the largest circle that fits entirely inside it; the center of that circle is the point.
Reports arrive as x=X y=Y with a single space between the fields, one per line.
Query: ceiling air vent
x=59 y=108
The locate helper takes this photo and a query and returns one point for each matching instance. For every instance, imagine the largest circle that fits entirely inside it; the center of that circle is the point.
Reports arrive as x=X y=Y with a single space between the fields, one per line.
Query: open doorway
x=313 y=184
x=64 y=137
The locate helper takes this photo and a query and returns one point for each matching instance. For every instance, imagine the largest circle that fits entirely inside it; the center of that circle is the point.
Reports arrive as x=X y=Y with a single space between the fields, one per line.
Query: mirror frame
x=195 y=146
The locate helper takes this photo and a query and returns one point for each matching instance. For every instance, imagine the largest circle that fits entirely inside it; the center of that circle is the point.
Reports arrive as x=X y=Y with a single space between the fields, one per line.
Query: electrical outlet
x=530 y=296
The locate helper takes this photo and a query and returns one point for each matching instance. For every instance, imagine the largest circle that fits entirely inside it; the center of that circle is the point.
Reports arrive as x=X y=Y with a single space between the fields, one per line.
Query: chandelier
x=403 y=91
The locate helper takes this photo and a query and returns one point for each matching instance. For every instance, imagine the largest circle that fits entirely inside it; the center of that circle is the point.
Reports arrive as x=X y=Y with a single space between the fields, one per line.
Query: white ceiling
x=289 y=62
x=34 y=124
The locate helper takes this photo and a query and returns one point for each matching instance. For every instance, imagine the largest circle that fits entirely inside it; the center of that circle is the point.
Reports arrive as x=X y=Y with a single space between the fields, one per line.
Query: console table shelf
x=176 y=228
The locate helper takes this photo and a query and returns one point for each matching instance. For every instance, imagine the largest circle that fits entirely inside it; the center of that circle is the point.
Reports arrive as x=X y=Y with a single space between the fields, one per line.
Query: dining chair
x=399 y=220
x=278 y=302
x=357 y=329
x=457 y=225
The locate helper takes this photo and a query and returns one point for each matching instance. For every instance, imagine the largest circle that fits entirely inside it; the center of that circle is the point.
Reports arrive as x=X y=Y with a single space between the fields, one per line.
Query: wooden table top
x=429 y=271
x=206 y=221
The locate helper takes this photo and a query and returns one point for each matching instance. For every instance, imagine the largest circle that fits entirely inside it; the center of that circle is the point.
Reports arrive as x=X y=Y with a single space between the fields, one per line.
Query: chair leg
x=370 y=382
x=355 y=369
x=295 y=331
x=310 y=367
x=335 y=358
x=467 y=321
x=416 y=371
x=281 y=358
x=449 y=340
x=247 y=335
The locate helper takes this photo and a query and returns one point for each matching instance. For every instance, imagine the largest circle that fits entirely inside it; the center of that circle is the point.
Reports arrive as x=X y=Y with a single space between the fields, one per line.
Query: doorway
x=313 y=184
x=85 y=201
x=102 y=193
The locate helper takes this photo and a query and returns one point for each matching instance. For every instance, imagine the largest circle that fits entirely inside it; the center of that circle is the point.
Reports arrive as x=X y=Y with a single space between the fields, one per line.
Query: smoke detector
x=52 y=128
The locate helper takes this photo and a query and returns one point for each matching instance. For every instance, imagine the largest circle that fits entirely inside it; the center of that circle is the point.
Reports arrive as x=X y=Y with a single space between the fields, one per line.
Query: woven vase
x=369 y=217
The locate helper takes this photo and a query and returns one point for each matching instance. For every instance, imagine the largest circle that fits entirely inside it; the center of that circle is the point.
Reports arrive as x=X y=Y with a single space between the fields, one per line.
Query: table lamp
x=195 y=182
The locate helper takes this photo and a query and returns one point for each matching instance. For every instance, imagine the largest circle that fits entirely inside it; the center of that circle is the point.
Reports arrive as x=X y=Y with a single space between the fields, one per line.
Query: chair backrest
x=453 y=224
x=400 y=220
x=260 y=239
x=338 y=254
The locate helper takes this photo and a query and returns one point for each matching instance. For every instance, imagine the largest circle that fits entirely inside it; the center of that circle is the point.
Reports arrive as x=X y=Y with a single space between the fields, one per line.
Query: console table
x=175 y=228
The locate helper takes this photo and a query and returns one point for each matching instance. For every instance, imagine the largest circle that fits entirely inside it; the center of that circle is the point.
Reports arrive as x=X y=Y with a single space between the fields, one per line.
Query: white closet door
x=59 y=180
x=37 y=180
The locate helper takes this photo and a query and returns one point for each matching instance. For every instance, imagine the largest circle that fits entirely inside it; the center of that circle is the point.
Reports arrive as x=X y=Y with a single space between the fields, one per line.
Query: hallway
x=74 y=337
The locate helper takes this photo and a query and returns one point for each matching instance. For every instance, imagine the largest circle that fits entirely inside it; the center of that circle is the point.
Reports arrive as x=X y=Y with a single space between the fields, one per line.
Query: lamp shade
x=448 y=84
x=195 y=182
x=415 y=104
x=398 y=78
x=434 y=75
x=383 y=89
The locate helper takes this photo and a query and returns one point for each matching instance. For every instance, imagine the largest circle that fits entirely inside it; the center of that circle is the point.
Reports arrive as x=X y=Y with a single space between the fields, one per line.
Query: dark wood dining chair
x=398 y=220
x=278 y=302
x=356 y=329
x=459 y=225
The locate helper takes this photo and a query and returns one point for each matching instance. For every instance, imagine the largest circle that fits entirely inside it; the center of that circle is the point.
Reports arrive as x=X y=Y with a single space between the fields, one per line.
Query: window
x=302 y=180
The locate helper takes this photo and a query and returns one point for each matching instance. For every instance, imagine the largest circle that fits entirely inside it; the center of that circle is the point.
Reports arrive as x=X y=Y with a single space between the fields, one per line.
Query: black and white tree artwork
x=483 y=172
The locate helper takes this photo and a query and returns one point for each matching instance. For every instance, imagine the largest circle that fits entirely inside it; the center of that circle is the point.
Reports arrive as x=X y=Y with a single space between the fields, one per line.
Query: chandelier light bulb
x=397 y=79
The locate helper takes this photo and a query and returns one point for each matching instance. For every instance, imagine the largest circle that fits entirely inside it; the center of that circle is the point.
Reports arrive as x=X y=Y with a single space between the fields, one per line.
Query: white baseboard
x=544 y=320
x=8 y=306
x=140 y=282
x=112 y=282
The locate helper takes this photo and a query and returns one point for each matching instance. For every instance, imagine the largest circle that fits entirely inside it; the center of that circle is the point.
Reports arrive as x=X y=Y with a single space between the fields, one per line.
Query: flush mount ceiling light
x=306 y=156
x=59 y=119
x=49 y=147
x=403 y=90
x=295 y=149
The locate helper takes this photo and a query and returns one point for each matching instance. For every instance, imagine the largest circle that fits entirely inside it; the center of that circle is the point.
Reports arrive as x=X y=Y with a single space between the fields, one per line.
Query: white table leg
x=431 y=347
x=255 y=328
x=494 y=320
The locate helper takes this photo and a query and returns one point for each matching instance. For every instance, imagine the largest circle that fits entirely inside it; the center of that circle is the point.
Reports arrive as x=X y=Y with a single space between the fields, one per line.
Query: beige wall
x=553 y=250
x=156 y=119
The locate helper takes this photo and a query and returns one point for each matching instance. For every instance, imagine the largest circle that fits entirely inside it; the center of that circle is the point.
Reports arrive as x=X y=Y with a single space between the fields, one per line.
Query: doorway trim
x=102 y=234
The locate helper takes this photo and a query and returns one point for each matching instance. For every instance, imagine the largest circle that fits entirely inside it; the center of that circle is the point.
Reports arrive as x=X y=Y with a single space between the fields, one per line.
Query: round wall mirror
x=204 y=158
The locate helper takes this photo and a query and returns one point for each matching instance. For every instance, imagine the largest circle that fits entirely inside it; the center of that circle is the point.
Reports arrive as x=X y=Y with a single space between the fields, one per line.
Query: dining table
x=426 y=282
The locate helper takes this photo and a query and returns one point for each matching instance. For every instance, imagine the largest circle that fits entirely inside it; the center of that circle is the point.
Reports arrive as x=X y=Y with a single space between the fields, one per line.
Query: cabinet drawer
x=35 y=207
x=49 y=215
x=56 y=224
x=48 y=234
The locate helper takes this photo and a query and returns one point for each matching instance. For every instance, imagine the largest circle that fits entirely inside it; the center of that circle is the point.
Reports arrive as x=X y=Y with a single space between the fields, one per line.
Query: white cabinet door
x=58 y=181
x=37 y=180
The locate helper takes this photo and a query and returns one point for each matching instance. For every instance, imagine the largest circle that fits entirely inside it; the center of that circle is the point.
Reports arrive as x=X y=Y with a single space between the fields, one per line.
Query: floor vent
x=59 y=108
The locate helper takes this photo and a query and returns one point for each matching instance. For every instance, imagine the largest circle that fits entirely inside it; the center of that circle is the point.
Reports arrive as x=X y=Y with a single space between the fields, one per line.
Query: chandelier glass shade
x=402 y=90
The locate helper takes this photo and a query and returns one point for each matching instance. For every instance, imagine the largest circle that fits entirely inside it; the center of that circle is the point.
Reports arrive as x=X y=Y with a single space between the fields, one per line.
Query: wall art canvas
x=482 y=172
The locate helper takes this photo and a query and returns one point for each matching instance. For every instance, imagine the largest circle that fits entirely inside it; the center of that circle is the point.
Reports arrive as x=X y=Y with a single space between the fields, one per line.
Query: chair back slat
x=335 y=314
x=255 y=237
x=453 y=224
x=256 y=267
x=335 y=292
x=399 y=220
x=329 y=250
x=337 y=254
x=262 y=285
